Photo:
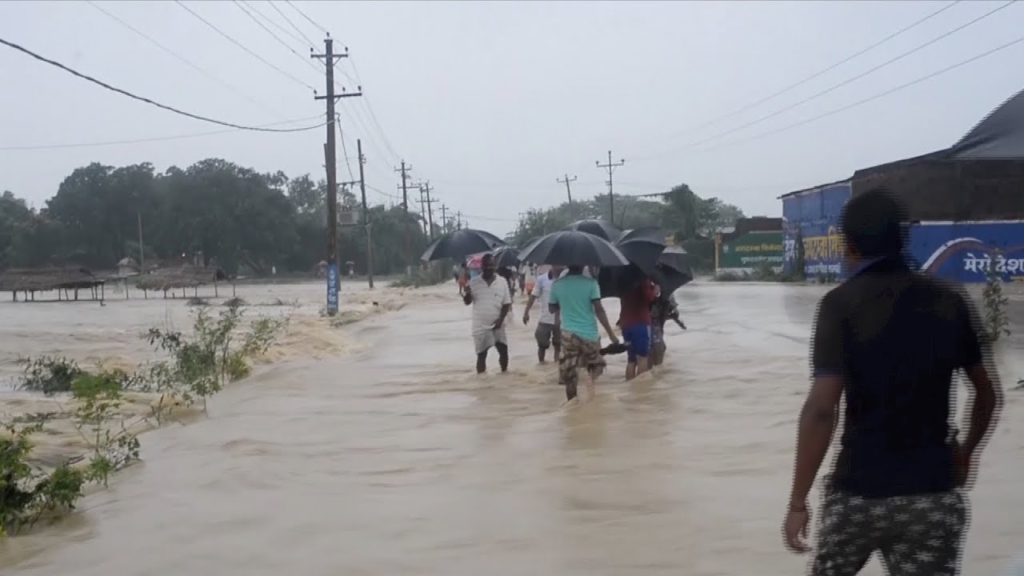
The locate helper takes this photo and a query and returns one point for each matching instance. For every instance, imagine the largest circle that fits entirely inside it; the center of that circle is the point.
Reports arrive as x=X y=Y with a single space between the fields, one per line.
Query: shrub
x=48 y=374
x=997 y=322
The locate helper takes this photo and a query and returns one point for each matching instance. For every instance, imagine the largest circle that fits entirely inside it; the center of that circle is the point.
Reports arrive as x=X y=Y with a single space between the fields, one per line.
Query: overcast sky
x=492 y=101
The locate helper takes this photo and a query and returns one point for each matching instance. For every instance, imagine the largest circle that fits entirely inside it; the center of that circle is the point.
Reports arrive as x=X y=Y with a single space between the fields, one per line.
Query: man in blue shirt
x=576 y=303
x=890 y=340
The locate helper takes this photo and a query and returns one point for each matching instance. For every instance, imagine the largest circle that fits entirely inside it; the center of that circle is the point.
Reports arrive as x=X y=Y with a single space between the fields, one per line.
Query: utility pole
x=444 y=219
x=142 y=250
x=611 y=166
x=568 y=192
x=366 y=215
x=333 y=277
x=428 y=202
x=404 y=170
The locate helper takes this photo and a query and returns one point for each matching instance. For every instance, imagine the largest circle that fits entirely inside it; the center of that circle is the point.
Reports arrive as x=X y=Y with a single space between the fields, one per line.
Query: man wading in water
x=547 y=333
x=491 y=303
x=576 y=303
x=890 y=339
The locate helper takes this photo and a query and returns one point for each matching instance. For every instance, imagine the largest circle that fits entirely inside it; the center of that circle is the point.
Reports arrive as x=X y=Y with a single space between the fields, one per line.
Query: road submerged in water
x=396 y=459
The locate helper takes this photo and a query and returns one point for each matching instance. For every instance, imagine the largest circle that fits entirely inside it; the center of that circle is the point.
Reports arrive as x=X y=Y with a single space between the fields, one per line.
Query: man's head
x=874 y=225
x=487 y=266
x=555 y=271
x=576 y=270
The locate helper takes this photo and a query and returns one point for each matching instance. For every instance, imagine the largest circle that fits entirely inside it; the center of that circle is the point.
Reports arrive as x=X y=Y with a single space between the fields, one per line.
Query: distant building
x=752 y=245
x=966 y=203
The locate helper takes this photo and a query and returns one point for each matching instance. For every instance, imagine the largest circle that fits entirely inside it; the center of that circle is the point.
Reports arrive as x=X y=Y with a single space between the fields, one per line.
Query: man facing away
x=576 y=303
x=663 y=309
x=890 y=340
x=491 y=303
x=635 y=322
x=547 y=334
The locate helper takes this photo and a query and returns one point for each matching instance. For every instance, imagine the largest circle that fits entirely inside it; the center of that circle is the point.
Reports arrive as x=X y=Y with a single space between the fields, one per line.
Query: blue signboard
x=967 y=251
x=811 y=227
x=332 y=288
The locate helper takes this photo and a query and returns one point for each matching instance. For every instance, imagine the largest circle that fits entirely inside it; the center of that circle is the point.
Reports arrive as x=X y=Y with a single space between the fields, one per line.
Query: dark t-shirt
x=896 y=338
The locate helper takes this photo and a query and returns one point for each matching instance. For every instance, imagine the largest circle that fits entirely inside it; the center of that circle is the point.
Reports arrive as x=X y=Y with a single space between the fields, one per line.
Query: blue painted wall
x=966 y=251
x=812 y=218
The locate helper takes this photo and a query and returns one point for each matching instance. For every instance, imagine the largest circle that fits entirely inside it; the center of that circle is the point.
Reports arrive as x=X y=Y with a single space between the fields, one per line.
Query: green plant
x=431 y=275
x=200 y=366
x=996 y=320
x=48 y=374
x=99 y=399
x=27 y=493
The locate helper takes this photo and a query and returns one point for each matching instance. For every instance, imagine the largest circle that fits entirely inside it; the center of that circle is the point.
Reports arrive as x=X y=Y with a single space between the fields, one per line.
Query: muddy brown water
x=394 y=458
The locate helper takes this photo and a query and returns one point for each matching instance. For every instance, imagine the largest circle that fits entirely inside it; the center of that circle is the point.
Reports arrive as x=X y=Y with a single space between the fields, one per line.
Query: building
x=752 y=245
x=966 y=204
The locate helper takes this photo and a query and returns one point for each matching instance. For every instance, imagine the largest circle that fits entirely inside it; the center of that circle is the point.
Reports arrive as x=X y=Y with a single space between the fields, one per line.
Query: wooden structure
x=168 y=280
x=66 y=282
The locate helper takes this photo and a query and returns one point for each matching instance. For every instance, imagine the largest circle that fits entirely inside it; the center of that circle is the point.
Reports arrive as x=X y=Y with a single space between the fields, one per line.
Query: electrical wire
x=271 y=21
x=827 y=69
x=853 y=78
x=144 y=99
x=305 y=60
x=308 y=19
x=242 y=46
x=292 y=24
x=189 y=63
x=874 y=97
x=151 y=139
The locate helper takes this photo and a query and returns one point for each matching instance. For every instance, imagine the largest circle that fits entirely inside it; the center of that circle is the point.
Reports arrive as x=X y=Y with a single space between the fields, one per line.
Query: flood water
x=392 y=457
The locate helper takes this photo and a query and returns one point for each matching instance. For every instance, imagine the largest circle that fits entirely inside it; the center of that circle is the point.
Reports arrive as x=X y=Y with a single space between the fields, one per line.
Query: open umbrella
x=673 y=269
x=460 y=244
x=642 y=247
x=572 y=248
x=506 y=257
x=599 y=228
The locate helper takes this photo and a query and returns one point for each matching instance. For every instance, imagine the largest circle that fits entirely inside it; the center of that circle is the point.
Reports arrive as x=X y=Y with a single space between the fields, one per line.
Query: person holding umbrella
x=491 y=303
x=576 y=303
x=635 y=322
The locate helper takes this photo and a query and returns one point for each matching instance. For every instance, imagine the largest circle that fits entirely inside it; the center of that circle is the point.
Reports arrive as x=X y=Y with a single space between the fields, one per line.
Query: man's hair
x=874 y=223
x=575 y=269
x=487 y=258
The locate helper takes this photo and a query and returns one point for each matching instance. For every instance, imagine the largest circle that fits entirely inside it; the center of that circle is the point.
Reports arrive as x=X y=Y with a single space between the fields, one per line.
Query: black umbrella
x=572 y=248
x=642 y=247
x=673 y=269
x=599 y=228
x=506 y=257
x=460 y=244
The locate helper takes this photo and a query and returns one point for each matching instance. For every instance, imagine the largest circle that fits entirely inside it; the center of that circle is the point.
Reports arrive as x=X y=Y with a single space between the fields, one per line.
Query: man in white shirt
x=547 y=333
x=491 y=302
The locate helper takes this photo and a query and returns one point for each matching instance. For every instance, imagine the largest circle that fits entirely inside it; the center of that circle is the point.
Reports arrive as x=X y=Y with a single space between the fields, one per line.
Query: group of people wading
x=570 y=315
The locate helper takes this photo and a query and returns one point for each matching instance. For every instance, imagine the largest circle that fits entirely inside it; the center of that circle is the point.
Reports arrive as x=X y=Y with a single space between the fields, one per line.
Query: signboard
x=968 y=251
x=752 y=251
x=332 y=288
x=811 y=229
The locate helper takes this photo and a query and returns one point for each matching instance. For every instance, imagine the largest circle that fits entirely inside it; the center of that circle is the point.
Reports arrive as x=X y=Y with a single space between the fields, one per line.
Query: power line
x=292 y=24
x=344 y=151
x=308 y=19
x=855 y=78
x=863 y=101
x=304 y=59
x=242 y=46
x=143 y=99
x=182 y=59
x=274 y=23
x=829 y=68
x=151 y=139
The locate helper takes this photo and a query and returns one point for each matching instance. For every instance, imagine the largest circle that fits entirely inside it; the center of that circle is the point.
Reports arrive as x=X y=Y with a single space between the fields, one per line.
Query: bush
x=997 y=322
x=49 y=375
x=26 y=493
x=432 y=275
x=100 y=398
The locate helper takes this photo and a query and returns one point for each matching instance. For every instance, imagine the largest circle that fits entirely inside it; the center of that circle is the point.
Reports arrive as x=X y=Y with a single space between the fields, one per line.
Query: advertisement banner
x=332 y=288
x=752 y=251
x=968 y=251
x=811 y=230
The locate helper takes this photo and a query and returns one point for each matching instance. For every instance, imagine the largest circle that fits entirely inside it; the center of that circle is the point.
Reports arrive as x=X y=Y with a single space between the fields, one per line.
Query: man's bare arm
x=602 y=317
x=817 y=424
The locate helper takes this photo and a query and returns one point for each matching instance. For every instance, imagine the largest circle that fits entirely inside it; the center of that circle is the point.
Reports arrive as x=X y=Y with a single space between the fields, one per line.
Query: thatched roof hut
x=186 y=276
x=47 y=279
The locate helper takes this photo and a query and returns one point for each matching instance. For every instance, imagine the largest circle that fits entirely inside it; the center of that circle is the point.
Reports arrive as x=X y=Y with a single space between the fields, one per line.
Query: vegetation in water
x=48 y=374
x=996 y=320
x=430 y=275
x=99 y=399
